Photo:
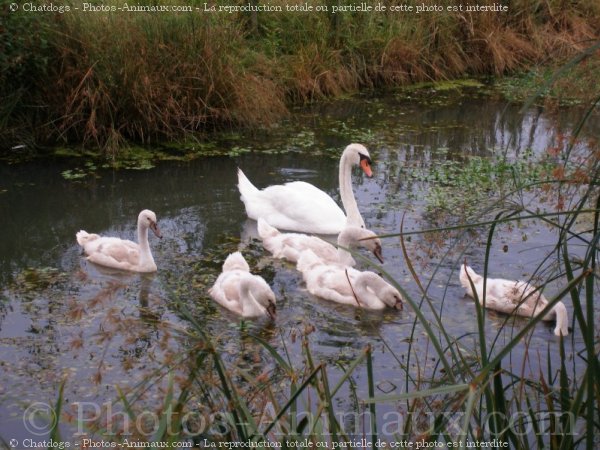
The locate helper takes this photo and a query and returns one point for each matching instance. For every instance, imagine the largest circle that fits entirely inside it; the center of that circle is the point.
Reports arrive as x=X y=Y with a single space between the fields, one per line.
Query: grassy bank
x=101 y=79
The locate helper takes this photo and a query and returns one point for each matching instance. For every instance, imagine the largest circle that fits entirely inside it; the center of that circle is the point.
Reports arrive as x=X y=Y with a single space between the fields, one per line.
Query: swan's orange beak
x=365 y=165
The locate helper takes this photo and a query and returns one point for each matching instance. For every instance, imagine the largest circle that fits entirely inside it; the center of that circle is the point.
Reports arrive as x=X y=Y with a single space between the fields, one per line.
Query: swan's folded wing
x=114 y=252
x=226 y=291
x=291 y=245
x=332 y=295
x=299 y=204
x=322 y=282
x=323 y=249
x=530 y=299
x=495 y=296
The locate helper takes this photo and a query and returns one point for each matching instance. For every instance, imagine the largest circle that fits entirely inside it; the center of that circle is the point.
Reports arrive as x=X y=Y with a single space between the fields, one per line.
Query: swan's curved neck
x=345 y=258
x=145 y=254
x=562 y=319
x=366 y=287
x=353 y=216
x=347 y=241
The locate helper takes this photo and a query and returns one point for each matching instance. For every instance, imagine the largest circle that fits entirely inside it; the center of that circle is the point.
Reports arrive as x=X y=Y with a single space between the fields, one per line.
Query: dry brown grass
x=315 y=74
x=117 y=77
x=149 y=81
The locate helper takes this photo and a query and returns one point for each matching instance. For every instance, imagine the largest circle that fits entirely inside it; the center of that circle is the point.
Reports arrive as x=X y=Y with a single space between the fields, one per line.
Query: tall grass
x=101 y=79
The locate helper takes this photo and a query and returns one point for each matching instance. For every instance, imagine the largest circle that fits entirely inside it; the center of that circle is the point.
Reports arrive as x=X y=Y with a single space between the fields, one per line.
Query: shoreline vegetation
x=105 y=79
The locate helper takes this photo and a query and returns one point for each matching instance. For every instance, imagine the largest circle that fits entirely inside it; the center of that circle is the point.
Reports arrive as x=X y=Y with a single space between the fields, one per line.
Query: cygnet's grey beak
x=155 y=229
x=398 y=305
x=378 y=252
x=272 y=310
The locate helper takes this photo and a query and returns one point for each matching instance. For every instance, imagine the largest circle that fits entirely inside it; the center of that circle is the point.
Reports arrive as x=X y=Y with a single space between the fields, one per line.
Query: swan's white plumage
x=122 y=254
x=346 y=285
x=300 y=206
x=241 y=292
x=513 y=297
x=290 y=245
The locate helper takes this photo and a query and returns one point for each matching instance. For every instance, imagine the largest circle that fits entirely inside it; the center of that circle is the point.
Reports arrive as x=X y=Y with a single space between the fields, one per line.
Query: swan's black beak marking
x=365 y=164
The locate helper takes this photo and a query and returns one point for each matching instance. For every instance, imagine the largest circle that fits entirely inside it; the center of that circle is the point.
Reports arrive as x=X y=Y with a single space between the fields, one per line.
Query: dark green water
x=61 y=318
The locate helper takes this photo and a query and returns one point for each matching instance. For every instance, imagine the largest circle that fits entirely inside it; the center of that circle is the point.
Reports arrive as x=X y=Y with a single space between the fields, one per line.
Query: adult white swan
x=513 y=297
x=290 y=245
x=347 y=285
x=300 y=206
x=121 y=253
x=241 y=292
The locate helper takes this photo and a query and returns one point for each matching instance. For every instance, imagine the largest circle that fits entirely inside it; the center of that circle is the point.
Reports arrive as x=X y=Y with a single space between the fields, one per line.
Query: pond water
x=63 y=319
